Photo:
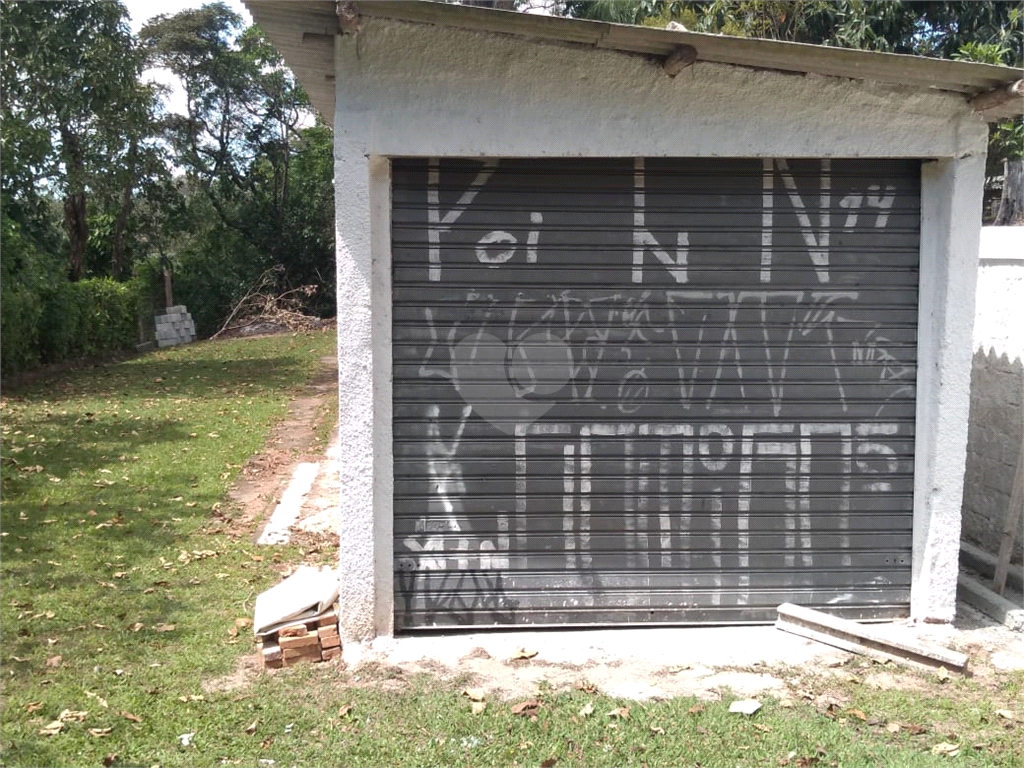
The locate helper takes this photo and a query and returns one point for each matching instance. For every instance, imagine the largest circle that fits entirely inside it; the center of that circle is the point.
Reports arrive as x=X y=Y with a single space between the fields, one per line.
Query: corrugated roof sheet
x=303 y=31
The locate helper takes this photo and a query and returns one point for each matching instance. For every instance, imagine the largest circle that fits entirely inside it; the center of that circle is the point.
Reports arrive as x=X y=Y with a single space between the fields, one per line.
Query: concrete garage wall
x=418 y=90
x=997 y=414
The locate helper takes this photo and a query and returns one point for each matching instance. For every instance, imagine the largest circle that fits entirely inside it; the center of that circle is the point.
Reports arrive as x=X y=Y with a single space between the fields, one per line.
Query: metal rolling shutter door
x=661 y=390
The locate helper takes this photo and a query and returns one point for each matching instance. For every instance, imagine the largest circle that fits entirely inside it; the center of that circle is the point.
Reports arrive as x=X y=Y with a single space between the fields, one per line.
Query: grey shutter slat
x=659 y=390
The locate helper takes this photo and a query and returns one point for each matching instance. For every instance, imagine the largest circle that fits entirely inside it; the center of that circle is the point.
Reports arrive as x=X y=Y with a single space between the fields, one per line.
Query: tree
x=241 y=145
x=243 y=108
x=989 y=31
x=73 y=109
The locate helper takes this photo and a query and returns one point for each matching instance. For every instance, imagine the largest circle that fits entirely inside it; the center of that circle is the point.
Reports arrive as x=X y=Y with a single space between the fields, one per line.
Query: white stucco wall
x=997 y=380
x=417 y=90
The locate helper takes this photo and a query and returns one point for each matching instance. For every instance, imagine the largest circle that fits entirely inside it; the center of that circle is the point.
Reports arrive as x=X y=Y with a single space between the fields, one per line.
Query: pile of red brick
x=314 y=639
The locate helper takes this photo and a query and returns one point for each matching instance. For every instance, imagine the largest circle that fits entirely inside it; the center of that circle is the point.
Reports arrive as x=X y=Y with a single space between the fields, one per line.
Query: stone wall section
x=997 y=389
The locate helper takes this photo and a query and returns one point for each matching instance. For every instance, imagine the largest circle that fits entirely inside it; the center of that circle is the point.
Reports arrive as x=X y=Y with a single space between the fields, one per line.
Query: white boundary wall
x=997 y=378
x=420 y=90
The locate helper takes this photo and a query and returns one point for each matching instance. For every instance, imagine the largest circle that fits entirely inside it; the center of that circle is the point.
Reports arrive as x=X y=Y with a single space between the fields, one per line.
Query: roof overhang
x=304 y=30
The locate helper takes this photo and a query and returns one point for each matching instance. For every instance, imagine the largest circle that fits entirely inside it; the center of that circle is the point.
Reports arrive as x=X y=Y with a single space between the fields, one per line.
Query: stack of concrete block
x=313 y=639
x=175 y=327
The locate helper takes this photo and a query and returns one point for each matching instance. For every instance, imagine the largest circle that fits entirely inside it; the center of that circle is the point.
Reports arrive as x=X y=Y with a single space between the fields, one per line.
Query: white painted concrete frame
x=377 y=118
x=950 y=237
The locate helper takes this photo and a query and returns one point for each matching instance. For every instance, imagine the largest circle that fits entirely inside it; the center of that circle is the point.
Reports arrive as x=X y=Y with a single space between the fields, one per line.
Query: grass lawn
x=123 y=600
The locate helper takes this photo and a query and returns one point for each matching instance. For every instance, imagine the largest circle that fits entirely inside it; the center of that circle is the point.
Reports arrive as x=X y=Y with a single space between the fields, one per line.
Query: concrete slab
x=290 y=506
x=984 y=563
x=972 y=591
x=665 y=646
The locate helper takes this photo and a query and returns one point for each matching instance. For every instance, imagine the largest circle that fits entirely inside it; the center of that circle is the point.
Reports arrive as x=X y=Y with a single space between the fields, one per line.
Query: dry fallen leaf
x=620 y=712
x=192 y=697
x=946 y=748
x=526 y=708
x=762 y=728
x=915 y=729
x=251 y=727
x=680 y=668
x=893 y=727
x=549 y=763
x=33 y=706
x=344 y=709
x=1006 y=714
x=130 y=716
x=109 y=759
x=587 y=710
x=657 y=730
x=100 y=731
x=523 y=653
x=163 y=627
x=474 y=694
x=696 y=709
x=244 y=622
x=53 y=661
x=99 y=699
x=52 y=729
x=478 y=707
x=857 y=713
x=72 y=714
x=942 y=674
x=137 y=626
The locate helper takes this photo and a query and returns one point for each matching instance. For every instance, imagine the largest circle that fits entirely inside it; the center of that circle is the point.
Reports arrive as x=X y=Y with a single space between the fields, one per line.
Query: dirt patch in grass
x=247 y=671
x=294 y=439
x=891 y=680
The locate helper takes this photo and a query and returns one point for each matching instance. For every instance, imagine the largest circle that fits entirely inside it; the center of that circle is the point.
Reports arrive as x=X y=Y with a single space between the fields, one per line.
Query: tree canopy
x=102 y=180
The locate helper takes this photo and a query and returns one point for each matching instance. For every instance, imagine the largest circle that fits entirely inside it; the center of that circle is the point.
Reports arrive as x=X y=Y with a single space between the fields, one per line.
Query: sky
x=142 y=11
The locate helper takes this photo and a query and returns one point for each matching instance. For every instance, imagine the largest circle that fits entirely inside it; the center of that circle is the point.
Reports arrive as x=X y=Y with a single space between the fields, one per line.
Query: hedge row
x=66 y=321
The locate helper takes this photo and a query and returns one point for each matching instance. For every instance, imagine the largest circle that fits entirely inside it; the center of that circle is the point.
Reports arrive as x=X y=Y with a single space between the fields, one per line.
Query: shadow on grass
x=155 y=377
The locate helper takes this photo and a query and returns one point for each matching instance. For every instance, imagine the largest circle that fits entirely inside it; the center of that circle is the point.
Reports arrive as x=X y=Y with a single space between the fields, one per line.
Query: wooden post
x=1013 y=514
x=1010 y=526
x=168 y=294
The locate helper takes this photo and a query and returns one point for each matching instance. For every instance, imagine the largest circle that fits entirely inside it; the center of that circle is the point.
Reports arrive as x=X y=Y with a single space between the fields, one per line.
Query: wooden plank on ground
x=864 y=640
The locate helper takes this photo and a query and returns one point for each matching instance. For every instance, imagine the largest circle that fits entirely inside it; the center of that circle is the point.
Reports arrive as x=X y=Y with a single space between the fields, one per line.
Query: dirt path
x=294 y=440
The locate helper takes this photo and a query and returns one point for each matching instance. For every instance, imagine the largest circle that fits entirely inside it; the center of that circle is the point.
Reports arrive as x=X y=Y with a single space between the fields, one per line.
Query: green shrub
x=87 y=318
x=20 y=305
x=20 y=310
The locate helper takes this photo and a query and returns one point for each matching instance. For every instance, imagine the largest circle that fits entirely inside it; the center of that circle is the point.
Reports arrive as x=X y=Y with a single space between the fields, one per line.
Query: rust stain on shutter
x=658 y=390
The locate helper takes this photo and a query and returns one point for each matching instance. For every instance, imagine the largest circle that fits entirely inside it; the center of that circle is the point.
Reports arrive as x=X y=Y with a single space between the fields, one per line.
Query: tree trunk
x=76 y=220
x=121 y=223
x=168 y=290
x=1011 y=206
x=77 y=226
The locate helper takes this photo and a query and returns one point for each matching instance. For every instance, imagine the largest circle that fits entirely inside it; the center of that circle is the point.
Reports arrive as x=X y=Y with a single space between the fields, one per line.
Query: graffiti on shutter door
x=670 y=390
